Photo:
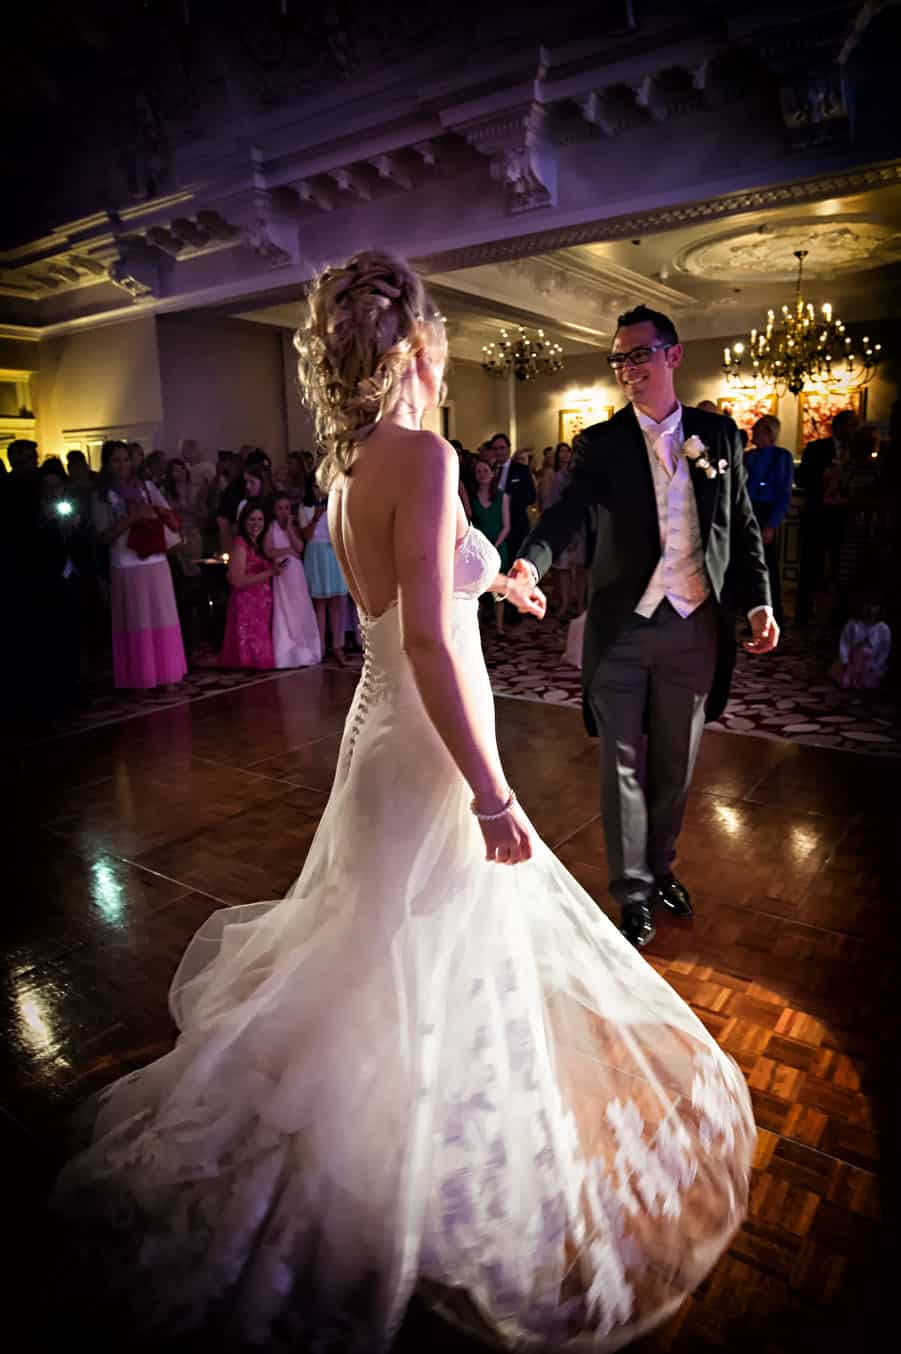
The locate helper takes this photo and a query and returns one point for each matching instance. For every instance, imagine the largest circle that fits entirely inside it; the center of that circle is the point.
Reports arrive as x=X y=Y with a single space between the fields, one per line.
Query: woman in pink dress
x=248 y=625
x=147 y=644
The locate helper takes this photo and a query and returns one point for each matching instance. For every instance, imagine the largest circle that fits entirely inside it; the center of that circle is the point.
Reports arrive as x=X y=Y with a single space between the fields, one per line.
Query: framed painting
x=746 y=407
x=816 y=410
x=573 y=421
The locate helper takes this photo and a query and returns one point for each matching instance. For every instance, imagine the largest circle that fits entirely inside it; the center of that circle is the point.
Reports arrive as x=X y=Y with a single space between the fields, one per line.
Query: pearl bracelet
x=493 y=817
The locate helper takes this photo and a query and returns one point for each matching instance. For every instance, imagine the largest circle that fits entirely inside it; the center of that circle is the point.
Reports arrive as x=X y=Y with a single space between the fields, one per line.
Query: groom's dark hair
x=666 y=330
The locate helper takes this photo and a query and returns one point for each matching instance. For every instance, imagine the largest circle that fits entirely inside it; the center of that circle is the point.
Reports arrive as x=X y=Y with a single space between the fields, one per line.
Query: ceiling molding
x=842 y=184
x=21 y=333
x=611 y=279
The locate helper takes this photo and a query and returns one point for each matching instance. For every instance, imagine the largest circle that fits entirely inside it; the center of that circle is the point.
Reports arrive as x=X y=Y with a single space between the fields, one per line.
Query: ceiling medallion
x=807 y=352
x=525 y=357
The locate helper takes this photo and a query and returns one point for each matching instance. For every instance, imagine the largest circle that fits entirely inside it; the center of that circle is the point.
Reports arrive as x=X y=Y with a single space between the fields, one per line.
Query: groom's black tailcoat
x=614 y=477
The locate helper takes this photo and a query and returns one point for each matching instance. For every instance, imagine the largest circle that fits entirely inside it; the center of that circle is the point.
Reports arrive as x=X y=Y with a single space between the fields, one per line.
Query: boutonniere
x=696 y=451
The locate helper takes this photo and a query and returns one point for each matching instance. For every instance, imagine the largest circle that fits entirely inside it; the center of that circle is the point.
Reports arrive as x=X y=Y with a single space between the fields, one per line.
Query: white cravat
x=664 y=437
x=666 y=454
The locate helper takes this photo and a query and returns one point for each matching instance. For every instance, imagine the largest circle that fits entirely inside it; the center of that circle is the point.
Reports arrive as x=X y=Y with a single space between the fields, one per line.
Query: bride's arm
x=424 y=536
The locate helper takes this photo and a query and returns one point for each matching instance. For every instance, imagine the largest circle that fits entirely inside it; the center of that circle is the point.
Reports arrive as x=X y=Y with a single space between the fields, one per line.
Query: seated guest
x=863 y=650
x=248 y=625
x=770 y=473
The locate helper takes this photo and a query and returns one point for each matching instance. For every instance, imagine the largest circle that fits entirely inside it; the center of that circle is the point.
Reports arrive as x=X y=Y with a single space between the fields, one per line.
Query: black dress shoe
x=673 y=896
x=637 y=926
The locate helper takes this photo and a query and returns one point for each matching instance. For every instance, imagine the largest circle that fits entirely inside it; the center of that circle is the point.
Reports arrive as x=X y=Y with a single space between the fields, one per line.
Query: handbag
x=157 y=535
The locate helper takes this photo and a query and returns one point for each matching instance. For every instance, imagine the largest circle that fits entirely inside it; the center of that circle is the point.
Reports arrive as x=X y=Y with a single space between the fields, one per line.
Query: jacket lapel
x=706 y=489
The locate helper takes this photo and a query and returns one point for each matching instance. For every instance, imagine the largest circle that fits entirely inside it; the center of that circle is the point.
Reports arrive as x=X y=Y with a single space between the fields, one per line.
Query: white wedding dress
x=418 y=1071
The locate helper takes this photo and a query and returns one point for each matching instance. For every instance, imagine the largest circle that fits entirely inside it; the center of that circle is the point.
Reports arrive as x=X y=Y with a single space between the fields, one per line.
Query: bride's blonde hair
x=366 y=321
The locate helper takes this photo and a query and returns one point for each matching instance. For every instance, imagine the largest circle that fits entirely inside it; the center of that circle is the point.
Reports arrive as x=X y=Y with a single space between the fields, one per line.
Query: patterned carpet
x=786 y=694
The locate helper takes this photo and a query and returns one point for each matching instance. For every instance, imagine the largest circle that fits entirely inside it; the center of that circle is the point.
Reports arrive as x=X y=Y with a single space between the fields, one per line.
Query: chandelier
x=807 y=351
x=525 y=357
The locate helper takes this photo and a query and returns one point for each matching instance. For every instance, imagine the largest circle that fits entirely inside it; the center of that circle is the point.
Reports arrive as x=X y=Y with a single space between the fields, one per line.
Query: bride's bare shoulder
x=428 y=454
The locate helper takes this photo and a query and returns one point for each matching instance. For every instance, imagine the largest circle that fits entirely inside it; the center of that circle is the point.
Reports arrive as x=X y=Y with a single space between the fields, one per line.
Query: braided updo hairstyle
x=366 y=321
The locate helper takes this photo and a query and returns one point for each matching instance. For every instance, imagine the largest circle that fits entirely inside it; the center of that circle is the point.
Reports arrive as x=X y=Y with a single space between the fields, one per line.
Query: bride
x=434 y=1066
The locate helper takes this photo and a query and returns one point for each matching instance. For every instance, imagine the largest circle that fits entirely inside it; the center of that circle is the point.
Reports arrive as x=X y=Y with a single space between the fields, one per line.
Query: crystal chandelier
x=806 y=352
x=525 y=357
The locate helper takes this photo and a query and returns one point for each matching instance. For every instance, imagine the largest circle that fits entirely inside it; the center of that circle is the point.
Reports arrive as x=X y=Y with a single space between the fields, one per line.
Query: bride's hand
x=507 y=839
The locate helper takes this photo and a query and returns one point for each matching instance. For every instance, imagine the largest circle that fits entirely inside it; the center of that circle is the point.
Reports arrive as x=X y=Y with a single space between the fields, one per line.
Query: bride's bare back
x=363 y=508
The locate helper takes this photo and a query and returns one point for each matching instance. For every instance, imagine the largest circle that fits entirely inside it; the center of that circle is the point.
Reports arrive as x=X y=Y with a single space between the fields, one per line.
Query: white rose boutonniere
x=696 y=451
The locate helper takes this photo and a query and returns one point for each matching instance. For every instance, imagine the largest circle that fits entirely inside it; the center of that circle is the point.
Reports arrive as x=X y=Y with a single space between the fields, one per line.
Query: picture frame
x=746 y=407
x=570 y=422
x=817 y=409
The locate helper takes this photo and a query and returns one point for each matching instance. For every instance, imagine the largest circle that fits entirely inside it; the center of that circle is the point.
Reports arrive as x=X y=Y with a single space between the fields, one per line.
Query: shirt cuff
x=754 y=610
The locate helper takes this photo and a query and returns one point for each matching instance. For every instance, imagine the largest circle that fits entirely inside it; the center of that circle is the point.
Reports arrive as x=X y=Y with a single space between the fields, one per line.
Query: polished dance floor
x=122 y=839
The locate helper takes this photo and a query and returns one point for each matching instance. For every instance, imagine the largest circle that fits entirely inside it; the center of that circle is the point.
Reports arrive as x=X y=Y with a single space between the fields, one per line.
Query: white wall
x=223 y=384
x=105 y=378
x=480 y=403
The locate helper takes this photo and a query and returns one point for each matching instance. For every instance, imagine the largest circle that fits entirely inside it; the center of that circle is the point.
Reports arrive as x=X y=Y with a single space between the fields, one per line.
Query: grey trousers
x=647 y=697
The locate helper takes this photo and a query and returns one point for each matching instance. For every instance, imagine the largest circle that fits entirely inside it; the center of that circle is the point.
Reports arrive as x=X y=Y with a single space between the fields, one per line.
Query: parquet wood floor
x=122 y=839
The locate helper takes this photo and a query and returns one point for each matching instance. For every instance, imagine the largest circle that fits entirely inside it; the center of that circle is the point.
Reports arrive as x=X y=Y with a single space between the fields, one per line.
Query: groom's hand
x=764 y=632
x=523 y=592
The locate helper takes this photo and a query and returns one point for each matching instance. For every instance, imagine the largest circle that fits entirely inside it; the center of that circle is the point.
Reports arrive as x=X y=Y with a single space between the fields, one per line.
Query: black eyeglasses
x=638 y=356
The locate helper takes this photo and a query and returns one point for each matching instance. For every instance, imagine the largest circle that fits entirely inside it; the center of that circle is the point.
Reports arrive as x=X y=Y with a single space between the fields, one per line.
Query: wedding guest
x=822 y=526
x=325 y=580
x=147 y=643
x=516 y=481
x=230 y=495
x=80 y=473
x=293 y=483
x=295 y=631
x=248 y=624
x=709 y=406
x=189 y=504
x=569 y=568
x=863 y=651
x=22 y=455
x=258 y=483
x=61 y=546
x=770 y=471
x=155 y=469
x=853 y=488
x=491 y=516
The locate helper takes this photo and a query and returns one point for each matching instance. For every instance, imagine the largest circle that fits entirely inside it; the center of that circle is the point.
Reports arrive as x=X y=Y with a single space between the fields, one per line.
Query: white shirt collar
x=670 y=424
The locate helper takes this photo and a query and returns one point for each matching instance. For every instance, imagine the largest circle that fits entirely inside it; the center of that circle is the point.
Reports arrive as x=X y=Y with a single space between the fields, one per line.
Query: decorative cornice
x=841 y=184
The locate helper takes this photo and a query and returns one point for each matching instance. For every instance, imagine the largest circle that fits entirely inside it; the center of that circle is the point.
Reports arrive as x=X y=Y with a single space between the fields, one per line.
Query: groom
x=677 y=549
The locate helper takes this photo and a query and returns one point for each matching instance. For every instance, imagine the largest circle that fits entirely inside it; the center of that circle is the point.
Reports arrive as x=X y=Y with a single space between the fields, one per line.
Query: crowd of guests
x=849 y=525
x=115 y=566
x=503 y=492
x=121 y=561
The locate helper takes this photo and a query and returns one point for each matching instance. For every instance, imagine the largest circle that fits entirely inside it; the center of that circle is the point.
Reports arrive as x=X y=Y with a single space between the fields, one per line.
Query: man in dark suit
x=822 y=529
x=516 y=480
x=677 y=548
